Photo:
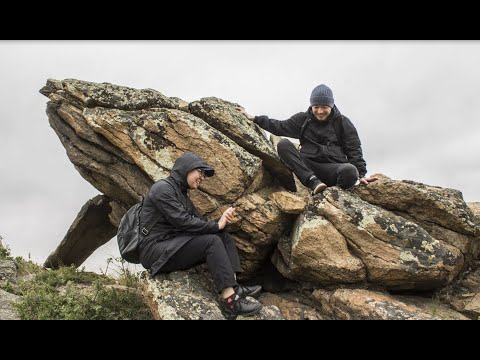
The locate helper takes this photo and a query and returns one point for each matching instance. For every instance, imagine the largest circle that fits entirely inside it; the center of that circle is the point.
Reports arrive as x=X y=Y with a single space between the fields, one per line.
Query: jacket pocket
x=335 y=153
x=310 y=149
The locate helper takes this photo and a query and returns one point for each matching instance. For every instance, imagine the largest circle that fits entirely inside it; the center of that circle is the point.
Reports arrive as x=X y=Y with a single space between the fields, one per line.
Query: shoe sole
x=319 y=188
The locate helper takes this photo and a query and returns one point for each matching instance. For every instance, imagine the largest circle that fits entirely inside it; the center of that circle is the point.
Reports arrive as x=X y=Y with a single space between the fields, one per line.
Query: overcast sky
x=416 y=106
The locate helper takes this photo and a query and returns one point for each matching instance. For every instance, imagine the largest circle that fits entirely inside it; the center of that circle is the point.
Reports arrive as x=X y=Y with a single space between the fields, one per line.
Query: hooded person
x=330 y=150
x=181 y=238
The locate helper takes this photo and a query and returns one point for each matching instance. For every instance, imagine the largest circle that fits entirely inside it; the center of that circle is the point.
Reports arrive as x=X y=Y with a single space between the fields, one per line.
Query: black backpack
x=129 y=233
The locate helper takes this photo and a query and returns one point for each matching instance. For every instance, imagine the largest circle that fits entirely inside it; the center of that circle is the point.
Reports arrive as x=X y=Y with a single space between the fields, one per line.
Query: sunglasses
x=202 y=172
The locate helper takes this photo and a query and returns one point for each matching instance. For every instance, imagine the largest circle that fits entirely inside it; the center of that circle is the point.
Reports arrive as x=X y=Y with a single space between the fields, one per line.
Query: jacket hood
x=186 y=163
x=334 y=114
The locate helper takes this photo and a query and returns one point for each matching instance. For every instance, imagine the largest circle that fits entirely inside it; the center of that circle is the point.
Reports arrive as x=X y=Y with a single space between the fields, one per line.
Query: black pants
x=344 y=175
x=218 y=250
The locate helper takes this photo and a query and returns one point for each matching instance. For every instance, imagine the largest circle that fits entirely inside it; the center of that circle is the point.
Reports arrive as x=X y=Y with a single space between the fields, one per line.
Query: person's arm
x=290 y=128
x=353 y=147
x=166 y=201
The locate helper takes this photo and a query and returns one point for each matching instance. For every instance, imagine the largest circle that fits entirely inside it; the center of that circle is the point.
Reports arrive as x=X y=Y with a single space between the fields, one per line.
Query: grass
x=74 y=294
x=123 y=272
x=4 y=251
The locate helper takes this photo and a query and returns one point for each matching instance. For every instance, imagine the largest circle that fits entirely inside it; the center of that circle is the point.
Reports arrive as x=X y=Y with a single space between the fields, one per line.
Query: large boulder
x=444 y=207
x=7 y=306
x=397 y=253
x=222 y=115
x=390 y=234
x=8 y=272
x=91 y=229
x=318 y=252
x=341 y=238
x=190 y=295
x=360 y=304
x=122 y=140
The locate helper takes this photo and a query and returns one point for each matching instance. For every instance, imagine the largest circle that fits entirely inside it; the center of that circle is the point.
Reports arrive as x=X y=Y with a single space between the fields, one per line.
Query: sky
x=415 y=104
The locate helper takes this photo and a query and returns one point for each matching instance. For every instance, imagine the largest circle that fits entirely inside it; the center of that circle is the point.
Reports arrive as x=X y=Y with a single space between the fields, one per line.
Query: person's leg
x=290 y=156
x=207 y=248
x=343 y=175
x=210 y=248
x=230 y=246
x=347 y=176
x=231 y=249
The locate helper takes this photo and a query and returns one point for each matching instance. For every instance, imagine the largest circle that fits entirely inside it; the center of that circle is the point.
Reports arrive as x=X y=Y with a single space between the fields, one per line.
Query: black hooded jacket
x=334 y=140
x=179 y=221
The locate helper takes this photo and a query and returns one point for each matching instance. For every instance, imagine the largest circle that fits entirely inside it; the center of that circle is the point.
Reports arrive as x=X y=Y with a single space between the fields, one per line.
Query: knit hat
x=322 y=95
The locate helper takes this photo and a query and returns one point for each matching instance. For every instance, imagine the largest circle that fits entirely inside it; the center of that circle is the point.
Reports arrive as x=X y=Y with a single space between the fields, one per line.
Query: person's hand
x=227 y=218
x=242 y=110
x=366 y=180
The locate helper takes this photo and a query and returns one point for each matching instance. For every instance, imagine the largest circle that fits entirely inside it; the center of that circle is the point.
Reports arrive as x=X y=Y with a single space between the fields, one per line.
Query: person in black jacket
x=181 y=238
x=330 y=149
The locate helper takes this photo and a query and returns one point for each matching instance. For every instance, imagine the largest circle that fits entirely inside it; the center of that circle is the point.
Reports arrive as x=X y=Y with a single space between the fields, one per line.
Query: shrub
x=71 y=294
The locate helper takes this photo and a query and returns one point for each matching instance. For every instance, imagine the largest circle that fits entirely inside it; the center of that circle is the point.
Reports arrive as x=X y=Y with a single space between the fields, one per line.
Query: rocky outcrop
x=122 y=140
x=289 y=203
x=441 y=212
x=475 y=207
x=444 y=207
x=464 y=294
x=390 y=234
x=258 y=225
x=189 y=295
x=8 y=276
x=91 y=229
x=8 y=272
x=7 y=306
x=293 y=306
x=222 y=115
x=317 y=252
x=359 y=304
x=396 y=253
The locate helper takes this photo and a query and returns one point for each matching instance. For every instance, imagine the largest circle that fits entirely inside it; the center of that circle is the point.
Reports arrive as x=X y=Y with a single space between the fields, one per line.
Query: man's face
x=321 y=112
x=195 y=178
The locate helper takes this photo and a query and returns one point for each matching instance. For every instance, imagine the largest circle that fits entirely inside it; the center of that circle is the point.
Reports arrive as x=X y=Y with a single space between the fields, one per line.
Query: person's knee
x=284 y=146
x=348 y=176
x=214 y=241
x=226 y=237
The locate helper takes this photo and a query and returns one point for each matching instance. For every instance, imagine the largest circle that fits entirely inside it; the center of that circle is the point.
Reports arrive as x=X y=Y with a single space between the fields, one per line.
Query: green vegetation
x=123 y=273
x=4 y=251
x=72 y=294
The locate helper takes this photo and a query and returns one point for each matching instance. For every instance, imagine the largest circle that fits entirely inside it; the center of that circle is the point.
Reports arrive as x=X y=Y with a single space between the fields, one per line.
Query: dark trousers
x=218 y=250
x=344 y=175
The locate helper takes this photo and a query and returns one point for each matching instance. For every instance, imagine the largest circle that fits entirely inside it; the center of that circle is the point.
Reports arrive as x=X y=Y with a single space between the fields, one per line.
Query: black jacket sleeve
x=290 y=128
x=196 y=212
x=353 y=147
x=166 y=201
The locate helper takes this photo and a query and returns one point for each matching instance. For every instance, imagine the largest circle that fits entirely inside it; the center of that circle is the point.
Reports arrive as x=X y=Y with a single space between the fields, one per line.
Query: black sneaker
x=244 y=291
x=318 y=187
x=241 y=306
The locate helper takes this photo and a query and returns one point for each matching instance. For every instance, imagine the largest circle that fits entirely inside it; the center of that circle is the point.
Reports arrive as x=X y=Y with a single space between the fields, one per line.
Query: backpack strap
x=337 y=126
x=149 y=225
x=304 y=126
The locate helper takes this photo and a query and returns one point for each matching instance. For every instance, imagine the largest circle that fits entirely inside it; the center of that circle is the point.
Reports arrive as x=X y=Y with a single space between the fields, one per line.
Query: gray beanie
x=322 y=95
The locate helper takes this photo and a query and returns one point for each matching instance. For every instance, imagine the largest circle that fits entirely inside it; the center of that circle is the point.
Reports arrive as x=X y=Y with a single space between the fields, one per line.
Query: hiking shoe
x=242 y=306
x=318 y=187
x=244 y=291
